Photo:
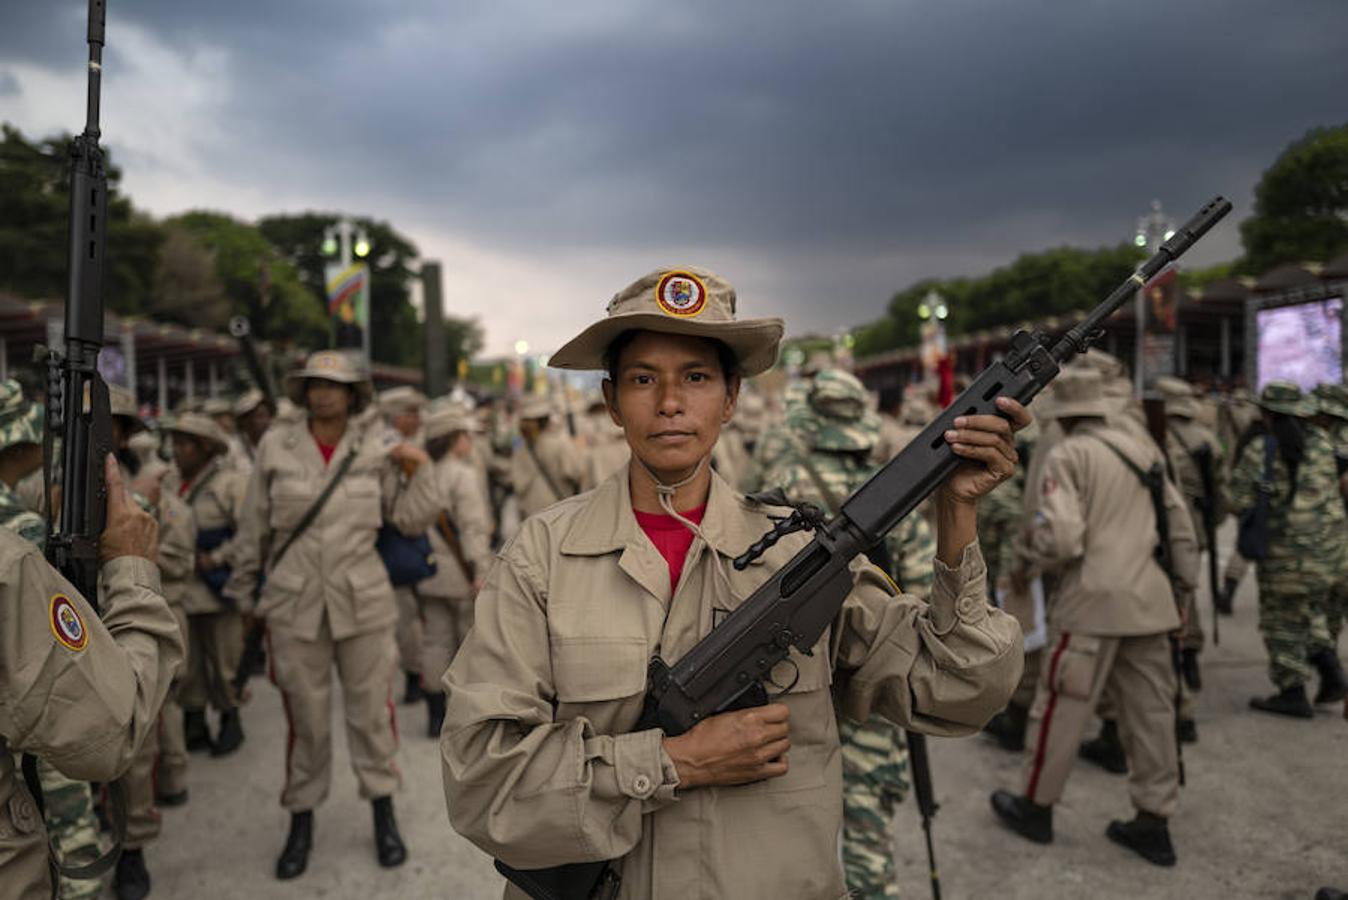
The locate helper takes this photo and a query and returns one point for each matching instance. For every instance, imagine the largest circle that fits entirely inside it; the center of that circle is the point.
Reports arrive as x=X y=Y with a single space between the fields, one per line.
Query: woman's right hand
x=738 y=747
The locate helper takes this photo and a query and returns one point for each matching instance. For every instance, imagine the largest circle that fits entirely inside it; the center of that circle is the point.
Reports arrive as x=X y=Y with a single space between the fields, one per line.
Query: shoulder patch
x=66 y=624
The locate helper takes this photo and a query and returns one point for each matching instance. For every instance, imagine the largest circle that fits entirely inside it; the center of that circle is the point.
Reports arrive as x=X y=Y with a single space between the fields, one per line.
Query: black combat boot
x=435 y=713
x=231 y=734
x=1329 y=893
x=131 y=880
x=1193 y=679
x=294 y=858
x=1147 y=835
x=195 y=730
x=388 y=844
x=1289 y=702
x=1023 y=816
x=1227 y=596
x=1105 y=749
x=412 y=692
x=164 y=799
x=1008 y=727
x=1333 y=685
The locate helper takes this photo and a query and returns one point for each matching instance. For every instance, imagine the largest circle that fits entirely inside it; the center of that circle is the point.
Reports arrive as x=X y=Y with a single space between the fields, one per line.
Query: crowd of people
x=366 y=534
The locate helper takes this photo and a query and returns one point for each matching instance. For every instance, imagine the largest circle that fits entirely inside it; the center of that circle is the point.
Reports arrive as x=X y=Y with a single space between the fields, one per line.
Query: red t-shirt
x=326 y=450
x=183 y=488
x=671 y=537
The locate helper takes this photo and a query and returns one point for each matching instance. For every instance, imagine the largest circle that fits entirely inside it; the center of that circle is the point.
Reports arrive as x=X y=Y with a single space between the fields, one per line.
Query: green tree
x=1300 y=204
x=260 y=285
x=35 y=199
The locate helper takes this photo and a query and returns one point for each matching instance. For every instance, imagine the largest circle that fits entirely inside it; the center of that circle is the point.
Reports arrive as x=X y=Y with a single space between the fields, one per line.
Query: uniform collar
x=606 y=523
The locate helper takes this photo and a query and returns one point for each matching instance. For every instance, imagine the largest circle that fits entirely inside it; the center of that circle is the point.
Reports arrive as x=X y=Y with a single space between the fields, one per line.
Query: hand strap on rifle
x=312 y=512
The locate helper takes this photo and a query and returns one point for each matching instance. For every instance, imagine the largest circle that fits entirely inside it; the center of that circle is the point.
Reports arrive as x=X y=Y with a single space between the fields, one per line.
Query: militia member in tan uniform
x=607 y=451
x=402 y=407
x=206 y=480
x=83 y=692
x=541 y=765
x=545 y=466
x=328 y=601
x=253 y=415
x=1110 y=622
x=461 y=539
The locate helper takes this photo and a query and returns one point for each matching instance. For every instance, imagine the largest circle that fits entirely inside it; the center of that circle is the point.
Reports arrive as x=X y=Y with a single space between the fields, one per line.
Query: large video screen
x=1302 y=343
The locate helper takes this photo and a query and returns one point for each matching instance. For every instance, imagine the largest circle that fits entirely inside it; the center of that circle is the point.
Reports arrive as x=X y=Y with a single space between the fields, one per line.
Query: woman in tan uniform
x=318 y=493
x=541 y=765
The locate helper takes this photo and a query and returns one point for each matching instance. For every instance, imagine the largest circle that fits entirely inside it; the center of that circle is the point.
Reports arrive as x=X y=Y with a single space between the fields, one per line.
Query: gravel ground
x=1264 y=814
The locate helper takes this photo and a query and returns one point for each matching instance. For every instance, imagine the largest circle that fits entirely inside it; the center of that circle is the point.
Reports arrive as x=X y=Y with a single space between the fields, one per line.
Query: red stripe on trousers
x=1048 y=717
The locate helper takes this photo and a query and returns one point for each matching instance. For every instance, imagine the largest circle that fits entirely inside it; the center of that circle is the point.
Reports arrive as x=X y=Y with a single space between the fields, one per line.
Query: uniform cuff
x=135 y=570
x=960 y=594
x=643 y=770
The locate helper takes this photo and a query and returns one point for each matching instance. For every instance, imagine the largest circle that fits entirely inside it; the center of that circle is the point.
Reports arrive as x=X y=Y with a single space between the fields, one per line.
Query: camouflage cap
x=834 y=414
x=341 y=366
x=1286 y=398
x=1332 y=399
x=198 y=425
x=686 y=301
x=20 y=421
x=1179 y=396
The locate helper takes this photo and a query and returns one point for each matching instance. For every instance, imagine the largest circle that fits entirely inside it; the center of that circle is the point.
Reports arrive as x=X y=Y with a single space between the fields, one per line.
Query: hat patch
x=66 y=623
x=681 y=294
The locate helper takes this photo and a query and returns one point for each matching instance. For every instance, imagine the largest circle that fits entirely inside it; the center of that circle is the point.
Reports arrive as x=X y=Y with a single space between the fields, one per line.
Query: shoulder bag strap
x=312 y=512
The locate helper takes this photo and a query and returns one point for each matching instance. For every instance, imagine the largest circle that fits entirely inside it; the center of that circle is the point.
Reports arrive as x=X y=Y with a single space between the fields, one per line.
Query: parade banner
x=348 y=291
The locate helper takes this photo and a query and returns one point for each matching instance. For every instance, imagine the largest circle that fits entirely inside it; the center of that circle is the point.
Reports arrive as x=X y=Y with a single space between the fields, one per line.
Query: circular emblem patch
x=66 y=623
x=681 y=294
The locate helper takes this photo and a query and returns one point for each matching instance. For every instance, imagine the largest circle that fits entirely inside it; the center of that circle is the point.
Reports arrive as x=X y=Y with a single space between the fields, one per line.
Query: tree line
x=199 y=268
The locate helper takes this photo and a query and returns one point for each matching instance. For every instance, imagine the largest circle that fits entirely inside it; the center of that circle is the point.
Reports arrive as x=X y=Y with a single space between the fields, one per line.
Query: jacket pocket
x=283 y=584
x=1074 y=675
x=371 y=591
x=592 y=669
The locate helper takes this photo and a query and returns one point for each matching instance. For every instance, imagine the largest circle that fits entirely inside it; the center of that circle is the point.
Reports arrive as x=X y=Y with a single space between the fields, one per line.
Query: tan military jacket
x=1096 y=527
x=216 y=499
x=79 y=692
x=1183 y=437
x=332 y=569
x=561 y=460
x=541 y=765
x=461 y=498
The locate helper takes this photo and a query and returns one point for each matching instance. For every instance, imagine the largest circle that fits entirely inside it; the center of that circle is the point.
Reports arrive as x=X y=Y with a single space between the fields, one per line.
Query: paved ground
x=1265 y=814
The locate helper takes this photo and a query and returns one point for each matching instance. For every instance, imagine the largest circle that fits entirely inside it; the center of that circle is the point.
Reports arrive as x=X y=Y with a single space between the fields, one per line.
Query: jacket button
x=642 y=785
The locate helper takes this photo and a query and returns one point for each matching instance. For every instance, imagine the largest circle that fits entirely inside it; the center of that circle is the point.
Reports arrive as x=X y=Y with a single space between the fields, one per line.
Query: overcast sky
x=819 y=155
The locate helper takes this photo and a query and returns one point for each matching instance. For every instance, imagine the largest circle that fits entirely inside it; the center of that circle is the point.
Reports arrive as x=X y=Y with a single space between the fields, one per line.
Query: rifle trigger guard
x=782 y=691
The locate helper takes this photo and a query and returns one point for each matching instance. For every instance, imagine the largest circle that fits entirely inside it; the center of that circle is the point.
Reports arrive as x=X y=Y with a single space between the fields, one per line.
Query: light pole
x=338 y=241
x=1153 y=229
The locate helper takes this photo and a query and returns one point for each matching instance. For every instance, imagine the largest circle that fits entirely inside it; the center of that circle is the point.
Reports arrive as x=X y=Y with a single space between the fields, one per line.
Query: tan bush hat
x=1179 y=395
x=401 y=399
x=343 y=367
x=217 y=406
x=1077 y=391
x=446 y=421
x=536 y=407
x=122 y=403
x=687 y=301
x=198 y=425
x=251 y=400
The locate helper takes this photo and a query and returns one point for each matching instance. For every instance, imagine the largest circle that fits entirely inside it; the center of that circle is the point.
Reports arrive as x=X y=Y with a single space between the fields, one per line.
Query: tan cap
x=401 y=399
x=446 y=421
x=536 y=407
x=687 y=301
x=341 y=366
x=198 y=425
x=1077 y=391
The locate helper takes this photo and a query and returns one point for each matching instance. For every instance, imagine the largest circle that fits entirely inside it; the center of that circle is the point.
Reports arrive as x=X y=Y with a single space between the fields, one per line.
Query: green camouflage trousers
x=875 y=778
x=73 y=828
x=1290 y=621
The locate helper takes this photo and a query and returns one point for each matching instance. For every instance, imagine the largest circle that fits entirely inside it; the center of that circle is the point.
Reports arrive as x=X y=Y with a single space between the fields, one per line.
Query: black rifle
x=920 y=763
x=242 y=330
x=726 y=670
x=77 y=396
x=1203 y=460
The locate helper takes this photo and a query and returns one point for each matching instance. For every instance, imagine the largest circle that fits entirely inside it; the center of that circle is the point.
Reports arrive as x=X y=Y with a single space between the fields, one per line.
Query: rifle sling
x=538 y=464
x=450 y=533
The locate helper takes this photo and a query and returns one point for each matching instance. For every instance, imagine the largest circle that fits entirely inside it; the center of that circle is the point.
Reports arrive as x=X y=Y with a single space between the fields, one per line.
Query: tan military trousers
x=1029 y=679
x=302 y=670
x=1137 y=673
x=161 y=765
x=215 y=643
x=409 y=631
x=446 y=622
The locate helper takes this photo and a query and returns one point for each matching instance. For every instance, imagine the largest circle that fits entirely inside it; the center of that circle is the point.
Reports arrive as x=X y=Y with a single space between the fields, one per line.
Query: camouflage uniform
x=69 y=812
x=1332 y=401
x=1308 y=540
x=828 y=424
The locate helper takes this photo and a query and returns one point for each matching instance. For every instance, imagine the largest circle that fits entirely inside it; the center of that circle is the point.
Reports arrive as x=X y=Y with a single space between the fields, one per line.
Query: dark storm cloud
x=866 y=144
